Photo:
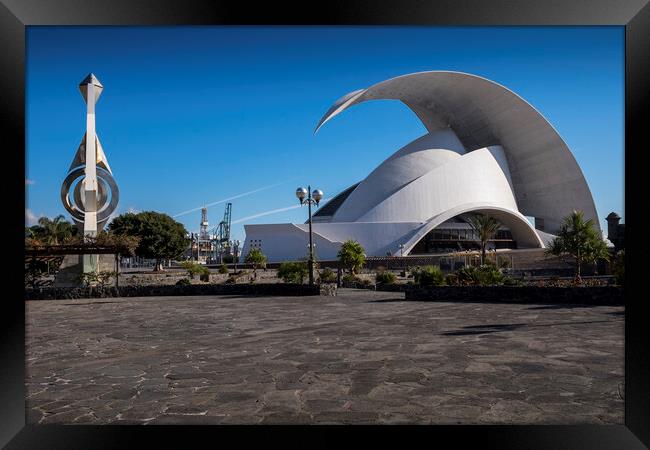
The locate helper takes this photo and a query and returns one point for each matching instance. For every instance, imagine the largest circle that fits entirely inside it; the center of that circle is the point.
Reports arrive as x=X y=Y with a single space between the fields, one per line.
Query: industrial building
x=211 y=246
x=486 y=151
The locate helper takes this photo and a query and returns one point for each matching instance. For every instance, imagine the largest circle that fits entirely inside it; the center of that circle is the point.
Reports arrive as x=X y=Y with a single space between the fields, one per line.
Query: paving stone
x=361 y=357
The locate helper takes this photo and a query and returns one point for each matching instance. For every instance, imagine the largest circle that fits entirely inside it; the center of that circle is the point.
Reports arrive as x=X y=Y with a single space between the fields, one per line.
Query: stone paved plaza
x=363 y=357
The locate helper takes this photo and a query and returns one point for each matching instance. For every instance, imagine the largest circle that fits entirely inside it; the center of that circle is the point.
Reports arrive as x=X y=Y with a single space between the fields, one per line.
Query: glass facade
x=459 y=238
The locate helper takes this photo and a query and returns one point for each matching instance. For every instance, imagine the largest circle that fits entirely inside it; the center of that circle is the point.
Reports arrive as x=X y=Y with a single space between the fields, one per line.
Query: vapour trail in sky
x=232 y=198
x=266 y=213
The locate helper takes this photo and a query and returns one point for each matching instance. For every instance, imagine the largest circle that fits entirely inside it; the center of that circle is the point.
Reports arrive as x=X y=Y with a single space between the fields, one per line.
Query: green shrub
x=194 y=268
x=489 y=262
x=293 y=272
x=183 y=282
x=468 y=275
x=428 y=276
x=490 y=275
x=223 y=269
x=385 y=278
x=205 y=275
x=351 y=279
x=327 y=275
x=366 y=282
x=487 y=274
x=509 y=281
x=100 y=279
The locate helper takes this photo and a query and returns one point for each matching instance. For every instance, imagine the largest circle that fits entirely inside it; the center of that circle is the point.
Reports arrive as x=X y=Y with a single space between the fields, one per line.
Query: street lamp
x=309 y=197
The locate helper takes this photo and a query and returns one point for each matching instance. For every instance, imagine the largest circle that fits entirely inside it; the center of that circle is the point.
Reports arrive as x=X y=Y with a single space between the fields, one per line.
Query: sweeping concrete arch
x=547 y=180
x=486 y=150
x=522 y=231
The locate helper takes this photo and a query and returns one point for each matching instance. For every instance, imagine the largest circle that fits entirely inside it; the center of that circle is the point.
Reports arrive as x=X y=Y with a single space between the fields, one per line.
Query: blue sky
x=194 y=115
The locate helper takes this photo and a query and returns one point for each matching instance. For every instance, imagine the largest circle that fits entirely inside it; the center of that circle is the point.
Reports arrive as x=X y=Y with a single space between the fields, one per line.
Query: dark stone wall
x=276 y=289
x=395 y=287
x=596 y=295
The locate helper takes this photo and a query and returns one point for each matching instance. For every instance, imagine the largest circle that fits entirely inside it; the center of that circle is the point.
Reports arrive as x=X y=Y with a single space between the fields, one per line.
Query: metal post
x=235 y=257
x=117 y=270
x=311 y=246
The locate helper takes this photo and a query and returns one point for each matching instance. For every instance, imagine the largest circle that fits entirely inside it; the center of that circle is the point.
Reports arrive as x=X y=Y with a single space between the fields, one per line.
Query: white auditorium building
x=486 y=150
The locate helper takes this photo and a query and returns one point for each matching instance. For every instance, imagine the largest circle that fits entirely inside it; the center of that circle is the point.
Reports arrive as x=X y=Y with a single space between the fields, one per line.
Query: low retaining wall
x=597 y=295
x=271 y=289
x=394 y=287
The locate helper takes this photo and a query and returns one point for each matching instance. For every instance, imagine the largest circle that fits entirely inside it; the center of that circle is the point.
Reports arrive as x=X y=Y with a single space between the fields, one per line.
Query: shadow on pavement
x=564 y=306
x=485 y=329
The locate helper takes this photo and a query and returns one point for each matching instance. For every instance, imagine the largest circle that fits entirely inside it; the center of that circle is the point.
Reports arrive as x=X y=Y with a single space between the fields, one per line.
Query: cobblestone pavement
x=361 y=357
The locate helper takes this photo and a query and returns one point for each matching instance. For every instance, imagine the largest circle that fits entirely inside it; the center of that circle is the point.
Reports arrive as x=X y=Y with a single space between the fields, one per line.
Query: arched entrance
x=450 y=232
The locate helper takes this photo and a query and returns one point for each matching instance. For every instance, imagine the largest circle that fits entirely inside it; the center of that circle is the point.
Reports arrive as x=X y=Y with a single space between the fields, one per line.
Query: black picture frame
x=15 y=15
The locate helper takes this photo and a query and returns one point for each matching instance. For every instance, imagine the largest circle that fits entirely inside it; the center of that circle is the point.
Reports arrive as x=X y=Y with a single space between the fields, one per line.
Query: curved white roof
x=546 y=179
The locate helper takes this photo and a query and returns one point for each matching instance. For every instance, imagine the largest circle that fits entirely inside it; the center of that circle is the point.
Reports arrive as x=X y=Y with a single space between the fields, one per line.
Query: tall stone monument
x=90 y=178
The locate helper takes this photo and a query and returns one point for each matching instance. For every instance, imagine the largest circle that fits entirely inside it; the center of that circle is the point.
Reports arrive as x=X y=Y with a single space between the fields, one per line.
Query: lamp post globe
x=317 y=195
x=301 y=193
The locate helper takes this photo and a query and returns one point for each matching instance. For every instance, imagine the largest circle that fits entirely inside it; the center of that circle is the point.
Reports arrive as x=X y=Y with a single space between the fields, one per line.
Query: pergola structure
x=50 y=253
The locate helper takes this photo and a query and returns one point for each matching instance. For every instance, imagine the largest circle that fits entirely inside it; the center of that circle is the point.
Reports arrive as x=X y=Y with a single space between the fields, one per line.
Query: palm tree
x=352 y=256
x=580 y=239
x=55 y=231
x=486 y=227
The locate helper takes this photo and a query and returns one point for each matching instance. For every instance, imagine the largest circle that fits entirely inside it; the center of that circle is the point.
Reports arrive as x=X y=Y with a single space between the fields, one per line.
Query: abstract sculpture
x=90 y=171
x=90 y=178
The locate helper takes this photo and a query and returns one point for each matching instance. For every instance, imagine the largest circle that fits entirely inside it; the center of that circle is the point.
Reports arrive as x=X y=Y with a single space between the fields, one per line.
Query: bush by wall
x=428 y=276
x=327 y=275
x=351 y=279
x=194 y=268
x=293 y=272
x=385 y=278
x=487 y=274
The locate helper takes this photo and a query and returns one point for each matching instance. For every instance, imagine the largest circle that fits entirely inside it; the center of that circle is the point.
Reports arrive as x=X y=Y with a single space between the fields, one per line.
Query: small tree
x=486 y=227
x=293 y=272
x=257 y=259
x=352 y=256
x=580 y=239
x=161 y=237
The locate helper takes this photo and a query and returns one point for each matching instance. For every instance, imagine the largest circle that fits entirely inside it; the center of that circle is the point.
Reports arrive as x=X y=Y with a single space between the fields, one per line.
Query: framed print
x=454 y=252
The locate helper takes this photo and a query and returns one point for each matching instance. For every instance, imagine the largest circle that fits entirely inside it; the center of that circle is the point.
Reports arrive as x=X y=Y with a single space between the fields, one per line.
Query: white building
x=486 y=151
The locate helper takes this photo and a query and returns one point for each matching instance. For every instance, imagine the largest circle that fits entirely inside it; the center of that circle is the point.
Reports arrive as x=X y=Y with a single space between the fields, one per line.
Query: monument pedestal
x=74 y=265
